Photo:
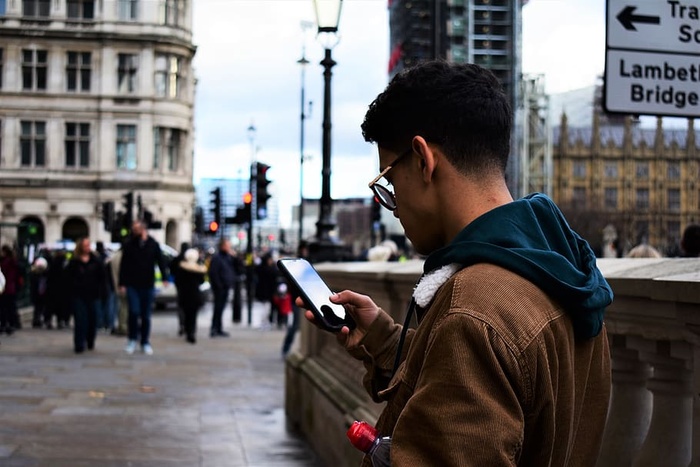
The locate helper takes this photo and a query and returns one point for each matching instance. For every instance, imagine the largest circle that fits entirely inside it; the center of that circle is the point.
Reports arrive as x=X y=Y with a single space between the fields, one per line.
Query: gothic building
x=643 y=182
x=97 y=102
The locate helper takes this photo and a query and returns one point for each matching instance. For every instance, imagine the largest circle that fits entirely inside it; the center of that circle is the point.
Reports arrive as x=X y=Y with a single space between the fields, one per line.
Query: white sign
x=652 y=60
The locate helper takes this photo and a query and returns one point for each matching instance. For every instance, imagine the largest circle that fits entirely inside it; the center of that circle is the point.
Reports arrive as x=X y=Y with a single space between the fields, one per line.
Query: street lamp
x=249 y=247
x=327 y=19
x=302 y=63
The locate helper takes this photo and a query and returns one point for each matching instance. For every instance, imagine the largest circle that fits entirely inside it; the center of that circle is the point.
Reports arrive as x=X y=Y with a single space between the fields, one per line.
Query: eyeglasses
x=383 y=194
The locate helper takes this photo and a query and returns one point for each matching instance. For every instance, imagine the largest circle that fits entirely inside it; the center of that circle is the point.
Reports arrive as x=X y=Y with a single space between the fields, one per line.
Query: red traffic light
x=213 y=226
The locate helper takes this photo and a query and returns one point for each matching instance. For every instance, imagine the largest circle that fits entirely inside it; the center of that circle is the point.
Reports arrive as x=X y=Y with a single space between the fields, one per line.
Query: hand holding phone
x=315 y=293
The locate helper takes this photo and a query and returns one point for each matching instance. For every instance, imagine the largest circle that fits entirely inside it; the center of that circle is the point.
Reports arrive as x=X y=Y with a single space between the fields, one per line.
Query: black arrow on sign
x=627 y=18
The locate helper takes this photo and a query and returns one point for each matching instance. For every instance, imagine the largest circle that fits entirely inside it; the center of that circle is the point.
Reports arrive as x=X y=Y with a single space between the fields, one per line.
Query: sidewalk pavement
x=217 y=403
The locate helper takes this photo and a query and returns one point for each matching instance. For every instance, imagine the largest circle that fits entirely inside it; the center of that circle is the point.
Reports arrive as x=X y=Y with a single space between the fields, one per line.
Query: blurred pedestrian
x=266 y=275
x=140 y=256
x=239 y=270
x=39 y=277
x=190 y=278
x=56 y=296
x=86 y=281
x=174 y=270
x=8 y=299
x=282 y=301
x=222 y=275
x=690 y=241
x=105 y=317
x=122 y=306
x=302 y=252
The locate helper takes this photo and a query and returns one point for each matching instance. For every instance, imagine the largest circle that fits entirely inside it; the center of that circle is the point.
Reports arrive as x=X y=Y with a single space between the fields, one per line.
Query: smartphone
x=315 y=293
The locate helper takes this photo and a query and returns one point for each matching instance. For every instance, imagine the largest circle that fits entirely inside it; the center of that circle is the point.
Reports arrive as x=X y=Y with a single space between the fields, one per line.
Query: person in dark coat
x=56 y=295
x=85 y=277
x=221 y=277
x=190 y=276
x=266 y=274
x=140 y=255
x=239 y=269
x=174 y=270
x=106 y=315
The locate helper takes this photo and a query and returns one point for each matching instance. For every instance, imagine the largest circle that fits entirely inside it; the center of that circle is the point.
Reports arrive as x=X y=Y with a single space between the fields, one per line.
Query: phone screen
x=316 y=291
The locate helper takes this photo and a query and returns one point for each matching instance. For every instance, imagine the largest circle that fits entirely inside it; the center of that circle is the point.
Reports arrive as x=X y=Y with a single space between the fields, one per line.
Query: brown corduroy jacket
x=492 y=376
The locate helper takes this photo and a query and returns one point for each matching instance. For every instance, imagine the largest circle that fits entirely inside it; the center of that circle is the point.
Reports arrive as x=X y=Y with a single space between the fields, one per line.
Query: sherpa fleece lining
x=429 y=284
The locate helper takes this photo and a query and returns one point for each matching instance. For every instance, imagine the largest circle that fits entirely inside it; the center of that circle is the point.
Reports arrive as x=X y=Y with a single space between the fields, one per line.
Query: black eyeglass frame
x=384 y=195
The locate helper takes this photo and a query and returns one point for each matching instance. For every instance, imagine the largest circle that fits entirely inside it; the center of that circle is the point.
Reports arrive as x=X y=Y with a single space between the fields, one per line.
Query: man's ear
x=428 y=157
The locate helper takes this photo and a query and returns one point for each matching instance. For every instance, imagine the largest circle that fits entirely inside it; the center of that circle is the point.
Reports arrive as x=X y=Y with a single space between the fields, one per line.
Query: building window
x=673 y=171
x=168 y=76
x=33 y=144
x=78 y=71
x=674 y=200
x=611 y=170
x=36 y=8
x=642 y=170
x=167 y=147
x=77 y=144
x=126 y=147
x=2 y=62
x=127 y=68
x=673 y=232
x=642 y=229
x=642 y=199
x=34 y=67
x=611 y=198
x=127 y=10
x=3 y=7
x=579 y=197
x=81 y=9
x=579 y=169
x=171 y=12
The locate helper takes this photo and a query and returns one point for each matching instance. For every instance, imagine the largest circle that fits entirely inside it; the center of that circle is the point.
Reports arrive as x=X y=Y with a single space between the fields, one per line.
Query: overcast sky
x=247 y=73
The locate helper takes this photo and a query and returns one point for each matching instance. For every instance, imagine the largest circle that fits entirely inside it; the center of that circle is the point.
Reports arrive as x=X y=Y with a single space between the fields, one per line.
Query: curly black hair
x=460 y=107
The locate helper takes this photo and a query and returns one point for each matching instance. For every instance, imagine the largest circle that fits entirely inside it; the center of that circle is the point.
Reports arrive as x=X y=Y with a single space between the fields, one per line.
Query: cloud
x=247 y=72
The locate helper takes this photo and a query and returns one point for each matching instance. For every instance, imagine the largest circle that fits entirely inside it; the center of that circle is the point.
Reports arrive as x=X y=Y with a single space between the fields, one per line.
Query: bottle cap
x=362 y=435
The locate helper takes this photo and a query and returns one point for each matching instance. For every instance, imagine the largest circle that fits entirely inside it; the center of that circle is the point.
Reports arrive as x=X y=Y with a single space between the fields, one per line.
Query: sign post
x=652 y=57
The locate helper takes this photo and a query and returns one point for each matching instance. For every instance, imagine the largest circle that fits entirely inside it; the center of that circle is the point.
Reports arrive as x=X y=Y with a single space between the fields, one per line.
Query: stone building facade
x=97 y=101
x=624 y=184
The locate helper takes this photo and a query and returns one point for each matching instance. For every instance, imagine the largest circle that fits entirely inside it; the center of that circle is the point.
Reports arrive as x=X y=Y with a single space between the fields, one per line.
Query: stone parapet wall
x=654 y=329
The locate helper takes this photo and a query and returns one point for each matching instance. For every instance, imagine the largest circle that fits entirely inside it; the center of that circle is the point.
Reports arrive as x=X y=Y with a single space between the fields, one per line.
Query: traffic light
x=216 y=205
x=376 y=211
x=213 y=228
x=139 y=208
x=198 y=220
x=261 y=194
x=128 y=217
x=242 y=212
x=108 y=215
x=150 y=220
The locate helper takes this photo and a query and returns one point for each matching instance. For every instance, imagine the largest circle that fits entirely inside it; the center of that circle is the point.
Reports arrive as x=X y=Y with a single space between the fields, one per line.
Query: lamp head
x=327 y=15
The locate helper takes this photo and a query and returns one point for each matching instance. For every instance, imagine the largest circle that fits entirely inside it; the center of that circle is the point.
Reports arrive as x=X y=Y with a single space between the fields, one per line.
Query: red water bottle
x=364 y=437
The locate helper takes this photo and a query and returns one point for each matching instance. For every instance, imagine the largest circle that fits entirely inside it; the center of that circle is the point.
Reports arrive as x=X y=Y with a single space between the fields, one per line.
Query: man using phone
x=509 y=363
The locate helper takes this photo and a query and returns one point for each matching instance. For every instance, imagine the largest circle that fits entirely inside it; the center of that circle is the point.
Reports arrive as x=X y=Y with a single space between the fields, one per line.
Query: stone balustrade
x=654 y=331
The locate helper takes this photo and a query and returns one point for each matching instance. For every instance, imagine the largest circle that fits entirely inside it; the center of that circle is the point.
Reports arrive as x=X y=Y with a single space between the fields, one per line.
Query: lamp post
x=302 y=63
x=249 y=248
x=327 y=19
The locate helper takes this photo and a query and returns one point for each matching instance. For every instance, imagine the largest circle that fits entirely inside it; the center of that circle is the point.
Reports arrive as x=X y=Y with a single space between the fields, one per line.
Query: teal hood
x=531 y=238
